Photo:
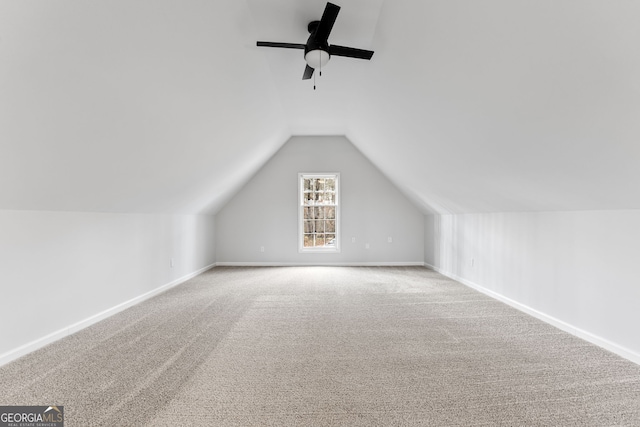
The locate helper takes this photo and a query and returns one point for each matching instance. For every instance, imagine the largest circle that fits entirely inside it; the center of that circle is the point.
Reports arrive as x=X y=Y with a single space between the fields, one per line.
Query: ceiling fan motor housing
x=313 y=25
x=316 y=52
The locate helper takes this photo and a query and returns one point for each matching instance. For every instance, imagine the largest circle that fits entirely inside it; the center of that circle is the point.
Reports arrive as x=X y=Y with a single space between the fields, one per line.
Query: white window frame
x=324 y=249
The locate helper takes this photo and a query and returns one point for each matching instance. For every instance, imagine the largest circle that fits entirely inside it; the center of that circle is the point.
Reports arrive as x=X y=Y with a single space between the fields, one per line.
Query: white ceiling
x=468 y=106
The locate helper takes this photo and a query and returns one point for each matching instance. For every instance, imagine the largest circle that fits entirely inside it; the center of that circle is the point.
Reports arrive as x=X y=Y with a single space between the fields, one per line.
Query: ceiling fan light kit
x=317 y=58
x=317 y=50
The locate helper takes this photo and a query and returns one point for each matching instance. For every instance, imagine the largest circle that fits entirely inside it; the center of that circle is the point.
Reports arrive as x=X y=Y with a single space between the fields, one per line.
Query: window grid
x=319 y=212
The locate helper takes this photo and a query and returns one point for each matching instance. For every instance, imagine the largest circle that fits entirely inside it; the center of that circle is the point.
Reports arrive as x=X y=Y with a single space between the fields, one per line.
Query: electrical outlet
x=472 y=262
x=389 y=239
x=171 y=262
x=261 y=248
x=353 y=240
x=366 y=246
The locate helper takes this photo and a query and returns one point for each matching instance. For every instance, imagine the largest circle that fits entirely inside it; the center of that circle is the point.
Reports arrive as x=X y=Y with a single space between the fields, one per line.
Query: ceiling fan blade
x=283 y=45
x=308 y=72
x=350 y=52
x=326 y=22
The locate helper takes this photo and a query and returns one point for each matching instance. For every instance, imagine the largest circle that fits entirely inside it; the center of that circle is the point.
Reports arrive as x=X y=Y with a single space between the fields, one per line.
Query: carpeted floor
x=322 y=346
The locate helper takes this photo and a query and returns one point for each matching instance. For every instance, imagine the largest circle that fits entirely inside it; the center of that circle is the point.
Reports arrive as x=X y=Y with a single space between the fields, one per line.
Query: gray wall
x=265 y=212
x=577 y=270
x=61 y=271
x=429 y=240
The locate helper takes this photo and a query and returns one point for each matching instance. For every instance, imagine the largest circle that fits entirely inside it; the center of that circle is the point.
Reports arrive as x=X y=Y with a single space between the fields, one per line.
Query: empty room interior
x=283 y=212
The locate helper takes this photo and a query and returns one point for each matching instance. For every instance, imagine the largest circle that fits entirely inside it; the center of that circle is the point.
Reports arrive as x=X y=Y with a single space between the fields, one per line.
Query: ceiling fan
x=317 y=50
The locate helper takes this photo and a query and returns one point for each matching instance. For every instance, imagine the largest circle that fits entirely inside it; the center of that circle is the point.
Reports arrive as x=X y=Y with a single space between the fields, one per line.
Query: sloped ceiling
x=468 y=106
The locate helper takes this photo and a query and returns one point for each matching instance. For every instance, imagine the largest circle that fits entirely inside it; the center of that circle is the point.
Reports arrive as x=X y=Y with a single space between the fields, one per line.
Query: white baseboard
x=71 y=329
x=580 y=333
x=320 y=264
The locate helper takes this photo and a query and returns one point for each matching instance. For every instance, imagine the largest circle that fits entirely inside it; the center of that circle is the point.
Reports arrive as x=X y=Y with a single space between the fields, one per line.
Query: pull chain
x=319 y=69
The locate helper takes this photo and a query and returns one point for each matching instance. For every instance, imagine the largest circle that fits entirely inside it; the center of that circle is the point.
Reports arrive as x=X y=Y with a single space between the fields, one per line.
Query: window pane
x=307 y=185
x=330 y=240
x=308 y=240
x=319 y=213
x=309 y=226
x=330 y=212
x=319 y=240
x=320 y=184
x=319 y=226
x=308 y=213
x=318 y=198
x=329 y=198
x=308 y=198
x=329 y=185
x=330 y=226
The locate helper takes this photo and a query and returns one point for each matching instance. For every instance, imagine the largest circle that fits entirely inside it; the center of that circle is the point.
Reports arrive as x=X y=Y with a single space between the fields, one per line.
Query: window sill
x=319 y=251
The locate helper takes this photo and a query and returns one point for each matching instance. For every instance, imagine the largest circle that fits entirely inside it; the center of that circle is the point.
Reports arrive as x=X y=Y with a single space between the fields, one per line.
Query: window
x=319 y=212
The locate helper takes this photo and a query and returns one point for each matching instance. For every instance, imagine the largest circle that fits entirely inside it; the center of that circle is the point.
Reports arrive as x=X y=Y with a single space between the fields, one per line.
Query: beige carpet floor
x=316 y=346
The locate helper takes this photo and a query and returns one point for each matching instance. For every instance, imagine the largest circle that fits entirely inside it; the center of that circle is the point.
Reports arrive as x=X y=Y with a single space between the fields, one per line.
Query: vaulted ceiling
x=467 y=106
